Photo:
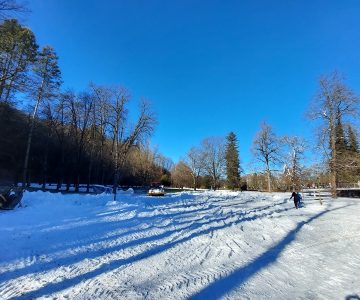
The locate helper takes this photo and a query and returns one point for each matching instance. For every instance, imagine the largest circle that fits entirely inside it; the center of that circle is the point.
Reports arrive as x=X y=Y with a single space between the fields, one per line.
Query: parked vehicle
x=10 y=196
x=99 y=189
x=156 y=189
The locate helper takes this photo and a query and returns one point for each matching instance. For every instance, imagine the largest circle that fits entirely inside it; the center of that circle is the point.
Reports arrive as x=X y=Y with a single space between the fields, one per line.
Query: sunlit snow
x=197 y=245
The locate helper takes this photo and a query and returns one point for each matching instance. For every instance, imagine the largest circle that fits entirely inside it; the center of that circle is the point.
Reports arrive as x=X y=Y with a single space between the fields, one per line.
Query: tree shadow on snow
x=226 y=284
x=99 y=235
x=192 y=230
x=352 y=297
x=41 y=266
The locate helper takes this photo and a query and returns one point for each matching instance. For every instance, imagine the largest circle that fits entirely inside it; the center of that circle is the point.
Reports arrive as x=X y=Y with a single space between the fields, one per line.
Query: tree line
x=72 y=137
x=280 y=160
x=68 y=137
x=213 y=164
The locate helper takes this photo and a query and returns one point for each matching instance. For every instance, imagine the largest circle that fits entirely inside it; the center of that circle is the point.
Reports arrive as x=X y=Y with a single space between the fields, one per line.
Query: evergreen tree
x=17 y=52
x=353 y=144
x=232 y=162
x=341 y=152
x=354 y=155
x=47 y=81
x=340 y=139
x=48 y=74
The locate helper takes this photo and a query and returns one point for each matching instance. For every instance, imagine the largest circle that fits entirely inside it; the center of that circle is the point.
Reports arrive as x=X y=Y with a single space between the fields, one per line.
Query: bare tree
x=266 y=149
x=334 y=102
x=180 y=175
x=295 y=154
x=163 y=162
x=256 y=181
x=80 y=110
x=102 y=98
x=124 y=136
x=142 y=160
x=196 y=161
x=11 y=7
x=214 y=152
x=48 y=113
x=60 y=118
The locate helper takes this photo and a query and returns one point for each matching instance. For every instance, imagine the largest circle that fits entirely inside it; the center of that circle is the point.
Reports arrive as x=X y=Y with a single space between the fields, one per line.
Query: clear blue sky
x=208 y=67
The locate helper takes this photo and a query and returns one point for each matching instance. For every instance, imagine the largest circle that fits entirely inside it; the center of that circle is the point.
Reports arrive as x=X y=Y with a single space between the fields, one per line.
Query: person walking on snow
x=296 y=197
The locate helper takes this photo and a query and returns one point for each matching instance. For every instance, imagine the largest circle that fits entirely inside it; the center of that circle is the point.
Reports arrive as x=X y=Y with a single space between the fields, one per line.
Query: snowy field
x=187 y=245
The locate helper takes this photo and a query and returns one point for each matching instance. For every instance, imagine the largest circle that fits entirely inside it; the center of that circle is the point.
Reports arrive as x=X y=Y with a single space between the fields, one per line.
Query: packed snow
x=189 y=245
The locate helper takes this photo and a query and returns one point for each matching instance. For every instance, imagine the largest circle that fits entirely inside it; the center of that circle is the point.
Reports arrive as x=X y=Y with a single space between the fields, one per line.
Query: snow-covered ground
x=187 y=245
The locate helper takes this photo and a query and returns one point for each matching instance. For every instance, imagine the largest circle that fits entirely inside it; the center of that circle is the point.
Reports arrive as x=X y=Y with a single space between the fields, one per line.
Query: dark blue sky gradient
x=209 y=67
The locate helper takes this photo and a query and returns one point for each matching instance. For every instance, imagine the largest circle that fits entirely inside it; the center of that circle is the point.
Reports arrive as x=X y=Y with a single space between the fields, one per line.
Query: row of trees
x=207 y=164
x=69 y=137
x=335 y=104
x=279 y=161
x=274 y=152
x=66 y=154
x=215 y=163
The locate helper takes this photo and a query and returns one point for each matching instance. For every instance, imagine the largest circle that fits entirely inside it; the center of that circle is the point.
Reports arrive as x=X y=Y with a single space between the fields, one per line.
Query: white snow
x=190 y=245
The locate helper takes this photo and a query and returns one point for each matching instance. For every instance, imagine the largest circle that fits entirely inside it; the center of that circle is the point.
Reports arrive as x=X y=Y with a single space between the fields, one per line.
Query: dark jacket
x=296 y=197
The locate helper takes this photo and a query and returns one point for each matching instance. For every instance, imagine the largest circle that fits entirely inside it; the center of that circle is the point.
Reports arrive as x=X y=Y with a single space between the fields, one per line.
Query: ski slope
x=191 y=245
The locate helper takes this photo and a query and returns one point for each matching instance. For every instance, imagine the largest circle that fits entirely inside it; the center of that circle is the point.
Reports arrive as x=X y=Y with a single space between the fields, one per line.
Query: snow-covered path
x=188 y=245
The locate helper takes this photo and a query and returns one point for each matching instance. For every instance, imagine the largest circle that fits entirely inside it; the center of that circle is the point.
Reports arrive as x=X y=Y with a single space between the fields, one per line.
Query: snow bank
x=48 y=200
x=128 y=191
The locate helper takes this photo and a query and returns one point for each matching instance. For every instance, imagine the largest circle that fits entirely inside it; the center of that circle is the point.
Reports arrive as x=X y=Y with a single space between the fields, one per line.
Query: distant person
x=296 y=197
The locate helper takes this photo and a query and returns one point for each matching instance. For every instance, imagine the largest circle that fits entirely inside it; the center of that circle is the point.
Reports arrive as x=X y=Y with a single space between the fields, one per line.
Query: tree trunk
x=89 y=172
x=194 y=182
x=61 y=178
x=77 y=180
x=333 y=176
x=116 y=166
x=102 y=173
x=268 y=175
x=6 y=99
x=45 y=167
x=214 y=183
x=78 y=169
x=28 y=144
x=2 y=84
x=333 y=162
x=68 y=185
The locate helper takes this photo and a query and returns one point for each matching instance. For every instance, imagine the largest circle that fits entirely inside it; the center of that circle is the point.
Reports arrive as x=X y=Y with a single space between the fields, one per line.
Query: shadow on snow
x=226 y=284
x=194 y=226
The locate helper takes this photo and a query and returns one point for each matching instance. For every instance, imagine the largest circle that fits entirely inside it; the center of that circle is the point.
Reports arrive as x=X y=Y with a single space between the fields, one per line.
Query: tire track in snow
x=191 y=282
x=217 y=211
x=113 y=243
